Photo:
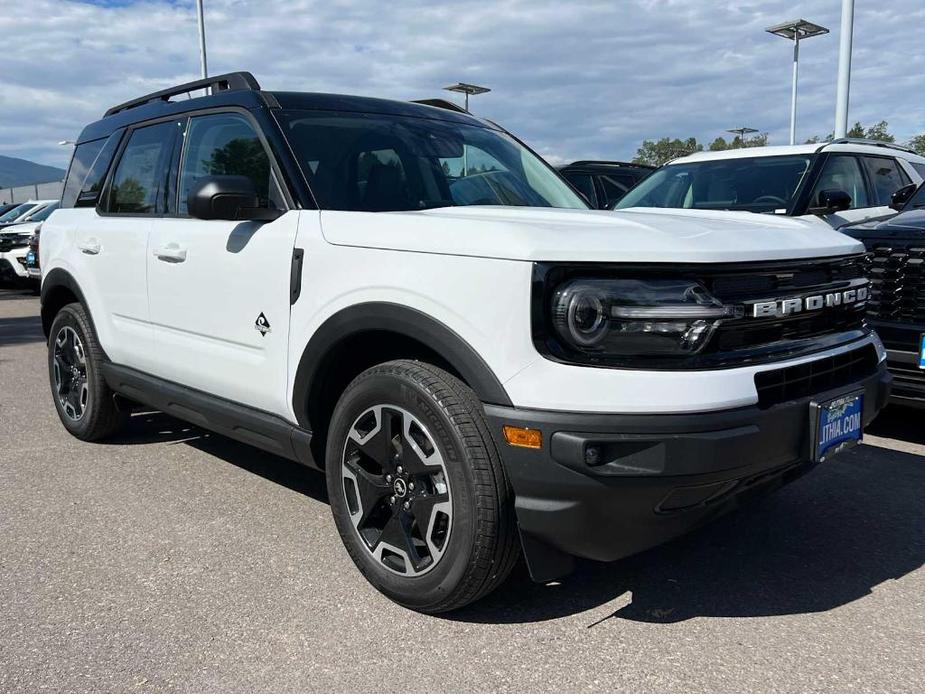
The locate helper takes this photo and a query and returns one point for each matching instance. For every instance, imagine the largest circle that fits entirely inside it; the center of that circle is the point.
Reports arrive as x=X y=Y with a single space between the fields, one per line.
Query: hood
x=21 y=229
x=906 y=225
x=548 y=234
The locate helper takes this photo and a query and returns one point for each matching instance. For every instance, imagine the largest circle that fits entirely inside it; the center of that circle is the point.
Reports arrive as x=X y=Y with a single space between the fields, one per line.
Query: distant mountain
x=22 y=172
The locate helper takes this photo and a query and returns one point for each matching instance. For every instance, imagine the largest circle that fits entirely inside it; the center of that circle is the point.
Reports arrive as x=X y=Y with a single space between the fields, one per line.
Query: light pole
x=467 y=89
x=844 y=68
x=742 y=132
x=202 y=40
x=796 y=30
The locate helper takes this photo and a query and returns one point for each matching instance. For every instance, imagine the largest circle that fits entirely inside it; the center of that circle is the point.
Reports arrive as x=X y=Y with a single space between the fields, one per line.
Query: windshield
x=377 y=163
x=754 y=184
x=44 y=213
x=17 y=212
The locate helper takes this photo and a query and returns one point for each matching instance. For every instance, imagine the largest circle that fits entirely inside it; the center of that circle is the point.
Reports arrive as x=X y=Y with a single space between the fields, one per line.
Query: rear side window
x=88 y=171
x=885 y=178
x=84 y=156
x=920 y=168
x=226 y=144
x=140 y=179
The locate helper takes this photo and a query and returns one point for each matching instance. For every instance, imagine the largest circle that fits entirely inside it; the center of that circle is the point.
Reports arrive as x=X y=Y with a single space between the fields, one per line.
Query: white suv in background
x=15 y=238
x=836 y=183
x=410 y=300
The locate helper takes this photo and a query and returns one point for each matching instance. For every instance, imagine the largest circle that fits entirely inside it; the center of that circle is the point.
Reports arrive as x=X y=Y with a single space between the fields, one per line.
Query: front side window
x=842 y=173
x=885 y=178
x=225 y=144
x=140 y=179
x=377 y=163
x=753 y=184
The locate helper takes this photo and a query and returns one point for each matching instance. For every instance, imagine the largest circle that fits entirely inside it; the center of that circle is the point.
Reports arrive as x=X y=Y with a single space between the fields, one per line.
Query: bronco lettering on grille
x=814 y=302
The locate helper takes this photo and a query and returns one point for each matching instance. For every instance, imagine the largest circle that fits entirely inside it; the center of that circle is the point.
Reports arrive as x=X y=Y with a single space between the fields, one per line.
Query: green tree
x=657 y=152
x=877 y=131
x=918 y=144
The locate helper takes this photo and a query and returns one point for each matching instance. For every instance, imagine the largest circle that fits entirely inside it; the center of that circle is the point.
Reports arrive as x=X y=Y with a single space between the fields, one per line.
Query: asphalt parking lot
x=173 y=559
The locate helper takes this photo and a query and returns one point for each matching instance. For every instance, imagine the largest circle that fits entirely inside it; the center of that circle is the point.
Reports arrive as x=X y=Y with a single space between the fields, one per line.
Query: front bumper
x=902 y=342
x=659 y=475
x=12 y=263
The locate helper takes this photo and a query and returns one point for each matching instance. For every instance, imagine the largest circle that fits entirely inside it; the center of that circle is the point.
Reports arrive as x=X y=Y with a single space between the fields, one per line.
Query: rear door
x=112 y=241
x=219 y=291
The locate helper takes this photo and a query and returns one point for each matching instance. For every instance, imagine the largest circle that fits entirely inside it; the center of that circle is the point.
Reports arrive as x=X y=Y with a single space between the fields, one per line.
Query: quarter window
x=225 y=144
x=842 y=173
x=140 y=179
x=885 y=177
x=84 y=156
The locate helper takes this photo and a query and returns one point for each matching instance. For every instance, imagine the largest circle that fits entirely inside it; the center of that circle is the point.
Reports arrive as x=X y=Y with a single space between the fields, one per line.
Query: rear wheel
x=417 y=489
x=84 y=402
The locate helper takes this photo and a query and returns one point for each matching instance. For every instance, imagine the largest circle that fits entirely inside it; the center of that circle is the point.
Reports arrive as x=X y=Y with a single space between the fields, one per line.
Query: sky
x=581 y=79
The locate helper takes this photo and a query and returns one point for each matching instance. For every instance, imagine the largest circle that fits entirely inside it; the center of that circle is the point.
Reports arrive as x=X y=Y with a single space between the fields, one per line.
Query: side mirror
x=900 y=197
x=831 y=201
x=227 y=197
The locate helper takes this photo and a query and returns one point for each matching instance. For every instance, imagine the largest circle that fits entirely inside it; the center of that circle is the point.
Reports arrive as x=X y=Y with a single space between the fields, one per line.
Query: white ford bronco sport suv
x=409 y=299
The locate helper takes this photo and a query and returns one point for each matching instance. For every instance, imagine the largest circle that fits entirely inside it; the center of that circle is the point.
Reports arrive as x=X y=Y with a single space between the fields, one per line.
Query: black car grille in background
x=793 y=382
x=8 y=243
x=897 y=279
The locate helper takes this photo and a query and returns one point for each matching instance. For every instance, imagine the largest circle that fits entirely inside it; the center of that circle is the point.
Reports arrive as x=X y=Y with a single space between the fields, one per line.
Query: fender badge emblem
x=262 y=325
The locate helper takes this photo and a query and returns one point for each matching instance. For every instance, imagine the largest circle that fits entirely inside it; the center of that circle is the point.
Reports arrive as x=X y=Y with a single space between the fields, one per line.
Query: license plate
x=922 y=351
x=30 y=258
x=838 y=425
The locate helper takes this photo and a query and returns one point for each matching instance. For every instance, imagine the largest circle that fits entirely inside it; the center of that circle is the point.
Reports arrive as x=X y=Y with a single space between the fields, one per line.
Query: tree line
x=657 y=152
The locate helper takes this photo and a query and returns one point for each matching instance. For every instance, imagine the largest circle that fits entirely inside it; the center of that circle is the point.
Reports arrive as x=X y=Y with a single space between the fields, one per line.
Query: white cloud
x=583 y=79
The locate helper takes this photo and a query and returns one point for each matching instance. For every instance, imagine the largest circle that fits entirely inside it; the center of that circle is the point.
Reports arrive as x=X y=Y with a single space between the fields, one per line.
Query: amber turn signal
x=525 y=438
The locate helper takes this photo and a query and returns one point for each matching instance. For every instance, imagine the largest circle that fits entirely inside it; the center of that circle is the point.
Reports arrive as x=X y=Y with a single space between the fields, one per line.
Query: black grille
x=820 y=375
x=897 y=278
x=8 y=243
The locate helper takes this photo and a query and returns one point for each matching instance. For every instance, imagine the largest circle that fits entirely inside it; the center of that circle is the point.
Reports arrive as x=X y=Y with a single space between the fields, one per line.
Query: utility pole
x=202 y=40
x=844 y=68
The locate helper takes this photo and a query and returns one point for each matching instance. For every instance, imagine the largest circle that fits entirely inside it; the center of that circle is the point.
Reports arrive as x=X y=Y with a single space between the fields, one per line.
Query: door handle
x=91 y=246
x=171 y=253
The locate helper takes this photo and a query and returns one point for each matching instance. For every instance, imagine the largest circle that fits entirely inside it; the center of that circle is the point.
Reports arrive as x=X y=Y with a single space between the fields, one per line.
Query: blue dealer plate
x=30 y=258
x=922 y=351
x=838 y=425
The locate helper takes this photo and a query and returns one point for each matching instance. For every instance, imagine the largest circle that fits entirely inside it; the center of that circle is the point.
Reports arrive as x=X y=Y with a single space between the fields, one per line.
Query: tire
x=441 y=533
x=75 y=361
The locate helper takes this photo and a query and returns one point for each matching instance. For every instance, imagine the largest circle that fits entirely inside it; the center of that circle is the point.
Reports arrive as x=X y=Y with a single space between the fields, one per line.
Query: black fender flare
x=403 y=320
x=59 y=277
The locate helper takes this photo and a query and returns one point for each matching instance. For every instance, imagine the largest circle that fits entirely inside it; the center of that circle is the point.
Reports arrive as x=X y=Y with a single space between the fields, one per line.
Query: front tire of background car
x=82 y=399
x=417 y=489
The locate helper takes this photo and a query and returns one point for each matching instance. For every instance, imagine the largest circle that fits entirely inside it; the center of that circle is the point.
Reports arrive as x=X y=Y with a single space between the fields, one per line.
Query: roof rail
x=220 y=83
x=586 y=162
x=871 y=143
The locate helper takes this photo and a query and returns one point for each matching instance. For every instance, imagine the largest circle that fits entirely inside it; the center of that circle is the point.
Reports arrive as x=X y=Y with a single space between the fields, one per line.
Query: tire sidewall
x=435 y=585
x=73 y=316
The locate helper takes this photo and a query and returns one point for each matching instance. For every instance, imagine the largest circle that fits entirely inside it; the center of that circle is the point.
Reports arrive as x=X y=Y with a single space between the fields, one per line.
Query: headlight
x=636 y=317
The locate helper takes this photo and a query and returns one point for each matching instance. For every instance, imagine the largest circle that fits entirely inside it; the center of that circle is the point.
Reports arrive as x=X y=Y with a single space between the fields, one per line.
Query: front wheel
x=75 y=359
x=417 y=489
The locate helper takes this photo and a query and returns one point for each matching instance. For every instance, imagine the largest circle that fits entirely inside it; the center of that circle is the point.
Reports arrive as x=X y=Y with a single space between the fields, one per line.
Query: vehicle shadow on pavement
x=20 y=330
x=896 y=422
x=156 y=427
x=826 y=540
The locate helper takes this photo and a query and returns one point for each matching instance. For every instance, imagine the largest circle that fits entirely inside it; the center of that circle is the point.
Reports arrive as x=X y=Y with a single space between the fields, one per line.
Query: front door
x=219 y=290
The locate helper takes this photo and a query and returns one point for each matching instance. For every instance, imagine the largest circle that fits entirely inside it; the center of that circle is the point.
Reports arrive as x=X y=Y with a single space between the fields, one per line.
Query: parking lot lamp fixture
x=796 y=30
x=467 y=89
x=742 y=133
